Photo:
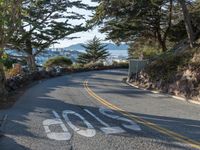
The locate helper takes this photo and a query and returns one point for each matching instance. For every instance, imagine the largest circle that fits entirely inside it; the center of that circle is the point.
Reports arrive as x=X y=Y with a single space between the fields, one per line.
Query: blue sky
x=84 y=36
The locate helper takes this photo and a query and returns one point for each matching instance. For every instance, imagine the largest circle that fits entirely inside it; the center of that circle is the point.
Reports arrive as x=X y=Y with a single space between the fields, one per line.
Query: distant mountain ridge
x=110 y=46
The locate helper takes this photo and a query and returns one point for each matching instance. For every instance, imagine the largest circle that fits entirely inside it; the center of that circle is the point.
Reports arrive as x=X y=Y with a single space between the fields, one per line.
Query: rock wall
x=22 y=80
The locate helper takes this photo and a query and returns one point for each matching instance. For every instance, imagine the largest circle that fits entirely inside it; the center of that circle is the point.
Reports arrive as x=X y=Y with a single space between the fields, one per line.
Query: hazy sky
x=84 y=36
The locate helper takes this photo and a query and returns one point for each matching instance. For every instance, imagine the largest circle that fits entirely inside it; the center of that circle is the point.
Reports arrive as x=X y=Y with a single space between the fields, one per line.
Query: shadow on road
x=42 y=102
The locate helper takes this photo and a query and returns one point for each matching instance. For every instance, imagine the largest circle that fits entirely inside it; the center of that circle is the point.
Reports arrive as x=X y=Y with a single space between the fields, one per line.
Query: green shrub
x=143 y=46
x=120 y=64
x=77 y=66
x=8 y=63
x=58 y=61
x=167 y=65
x=94 y=65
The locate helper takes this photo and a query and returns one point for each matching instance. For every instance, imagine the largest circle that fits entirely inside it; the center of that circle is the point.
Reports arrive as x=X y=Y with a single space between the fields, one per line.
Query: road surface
x=96 y=111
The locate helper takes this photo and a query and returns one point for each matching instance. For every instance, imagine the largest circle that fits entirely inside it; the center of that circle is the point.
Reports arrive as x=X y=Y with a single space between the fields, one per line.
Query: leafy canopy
x=124 y=20
x=44 y=22
x=128 y=20
x=10 y=16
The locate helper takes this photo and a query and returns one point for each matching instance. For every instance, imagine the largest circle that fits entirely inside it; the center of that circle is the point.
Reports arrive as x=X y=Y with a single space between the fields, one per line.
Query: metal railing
x=135 y=66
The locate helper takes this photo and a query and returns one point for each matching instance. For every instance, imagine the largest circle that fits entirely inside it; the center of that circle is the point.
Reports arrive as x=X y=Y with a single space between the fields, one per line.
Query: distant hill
x=110 y=46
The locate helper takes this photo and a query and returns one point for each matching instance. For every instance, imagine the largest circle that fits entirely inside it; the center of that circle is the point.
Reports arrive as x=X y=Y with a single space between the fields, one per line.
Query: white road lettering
x=59 y=136
x=107 y=129
x=133 y=126
x=89 y=132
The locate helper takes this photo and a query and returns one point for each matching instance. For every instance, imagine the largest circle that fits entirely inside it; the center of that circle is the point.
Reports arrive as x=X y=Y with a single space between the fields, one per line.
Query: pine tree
x=95 y=51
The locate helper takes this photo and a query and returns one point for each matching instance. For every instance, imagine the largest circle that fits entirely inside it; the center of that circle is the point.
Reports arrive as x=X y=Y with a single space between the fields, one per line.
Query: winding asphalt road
x=96 y=111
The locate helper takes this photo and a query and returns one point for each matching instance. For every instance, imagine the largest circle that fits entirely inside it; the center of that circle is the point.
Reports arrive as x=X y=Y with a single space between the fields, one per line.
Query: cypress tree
x=95 y=51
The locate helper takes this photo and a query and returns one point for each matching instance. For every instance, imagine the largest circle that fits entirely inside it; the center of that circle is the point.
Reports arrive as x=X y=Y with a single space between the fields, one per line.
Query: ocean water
x=115 y=52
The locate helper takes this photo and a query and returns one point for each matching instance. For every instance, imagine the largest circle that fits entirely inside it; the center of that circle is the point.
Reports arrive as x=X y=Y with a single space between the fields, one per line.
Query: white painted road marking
x=89 y=132
x=107 y=129
x=133 y=126
x=59 y=136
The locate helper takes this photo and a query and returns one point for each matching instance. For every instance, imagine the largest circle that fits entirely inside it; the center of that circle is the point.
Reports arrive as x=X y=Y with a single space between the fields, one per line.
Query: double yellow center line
x=174 y=135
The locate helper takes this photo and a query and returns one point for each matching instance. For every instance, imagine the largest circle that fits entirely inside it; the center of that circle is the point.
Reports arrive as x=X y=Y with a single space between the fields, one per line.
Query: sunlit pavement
x=95 y=110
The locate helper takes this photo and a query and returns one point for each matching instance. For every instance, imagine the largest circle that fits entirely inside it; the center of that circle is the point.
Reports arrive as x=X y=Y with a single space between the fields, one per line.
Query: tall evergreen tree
x=95 y=51
x=43 y=23
x=125 y=20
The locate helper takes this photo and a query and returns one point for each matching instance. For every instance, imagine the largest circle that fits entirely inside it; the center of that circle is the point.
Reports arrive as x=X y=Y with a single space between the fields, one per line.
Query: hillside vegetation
x=174 y=73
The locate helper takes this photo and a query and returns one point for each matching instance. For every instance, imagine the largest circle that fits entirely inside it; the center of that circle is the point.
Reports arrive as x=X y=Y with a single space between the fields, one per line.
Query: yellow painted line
x=174 y=135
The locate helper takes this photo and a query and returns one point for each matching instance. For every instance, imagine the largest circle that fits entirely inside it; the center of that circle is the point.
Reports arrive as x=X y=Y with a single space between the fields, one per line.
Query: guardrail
x=135 y=66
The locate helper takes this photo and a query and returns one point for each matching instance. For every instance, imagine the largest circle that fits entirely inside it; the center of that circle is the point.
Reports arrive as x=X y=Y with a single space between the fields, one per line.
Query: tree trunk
x=3 y=91
x=31 y=63
x=169 y=22
x=31 y=57
x=188 y=23
x=162 y=42
x=163 y=45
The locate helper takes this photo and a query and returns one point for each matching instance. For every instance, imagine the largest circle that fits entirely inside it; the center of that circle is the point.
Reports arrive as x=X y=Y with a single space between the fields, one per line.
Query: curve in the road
x=174 y=135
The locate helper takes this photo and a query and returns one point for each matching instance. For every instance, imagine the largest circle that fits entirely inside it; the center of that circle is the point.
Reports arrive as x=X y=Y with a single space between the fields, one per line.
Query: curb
x=171 y=96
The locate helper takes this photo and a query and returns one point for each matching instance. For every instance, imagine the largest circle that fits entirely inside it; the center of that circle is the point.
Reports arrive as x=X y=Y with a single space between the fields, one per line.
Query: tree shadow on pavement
x=67 y=93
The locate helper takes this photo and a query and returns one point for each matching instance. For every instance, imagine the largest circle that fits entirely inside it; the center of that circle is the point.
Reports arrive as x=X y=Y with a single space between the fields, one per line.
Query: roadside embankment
x=176 y=74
